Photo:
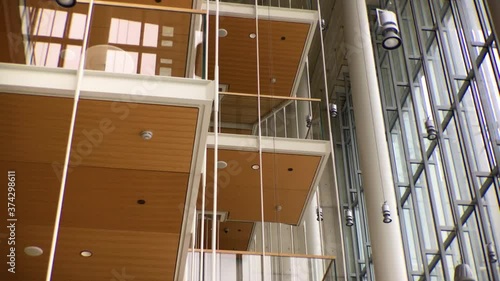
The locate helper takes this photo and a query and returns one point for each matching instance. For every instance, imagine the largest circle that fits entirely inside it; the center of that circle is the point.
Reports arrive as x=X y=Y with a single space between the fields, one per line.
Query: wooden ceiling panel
x=280 y=48
x=37 y=194
x=107 y=134
x=34 y=128
x=142 y=255
x=239 y=185
x=27 y=267
x=112 y=194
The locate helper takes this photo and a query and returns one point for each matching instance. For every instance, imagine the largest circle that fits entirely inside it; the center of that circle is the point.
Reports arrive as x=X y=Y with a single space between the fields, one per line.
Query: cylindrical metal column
x=378 y=185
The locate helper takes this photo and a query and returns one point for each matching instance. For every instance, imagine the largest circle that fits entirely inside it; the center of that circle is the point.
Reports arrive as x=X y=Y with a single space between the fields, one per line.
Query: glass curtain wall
x=445 y=74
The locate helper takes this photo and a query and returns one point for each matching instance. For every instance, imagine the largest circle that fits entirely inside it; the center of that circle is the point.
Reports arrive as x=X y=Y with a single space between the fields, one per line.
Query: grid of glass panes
x=448 y=188
x=359 y=264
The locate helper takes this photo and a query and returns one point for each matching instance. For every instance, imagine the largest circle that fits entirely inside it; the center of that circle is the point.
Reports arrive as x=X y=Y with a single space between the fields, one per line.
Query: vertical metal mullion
x=348 y=195
x=479 y=202
x=284 y=121
x=297 y=118
x=481 y=97
x=358 y=184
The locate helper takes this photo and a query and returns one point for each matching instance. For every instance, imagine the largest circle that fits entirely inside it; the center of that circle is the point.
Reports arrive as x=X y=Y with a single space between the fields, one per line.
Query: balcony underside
x=111 y=169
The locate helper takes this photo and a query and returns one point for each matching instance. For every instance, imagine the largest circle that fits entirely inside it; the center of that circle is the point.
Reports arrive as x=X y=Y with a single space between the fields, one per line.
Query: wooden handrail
x=282 y=255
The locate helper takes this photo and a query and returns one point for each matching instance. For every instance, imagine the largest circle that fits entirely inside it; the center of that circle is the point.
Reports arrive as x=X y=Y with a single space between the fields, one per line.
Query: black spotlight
x=388 y=25
x=66 y=3
x=431 y=129
x=349 y=218
x=386 y=212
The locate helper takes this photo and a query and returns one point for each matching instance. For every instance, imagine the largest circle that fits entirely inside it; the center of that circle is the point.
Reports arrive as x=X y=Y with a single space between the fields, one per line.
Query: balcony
x=252 y=266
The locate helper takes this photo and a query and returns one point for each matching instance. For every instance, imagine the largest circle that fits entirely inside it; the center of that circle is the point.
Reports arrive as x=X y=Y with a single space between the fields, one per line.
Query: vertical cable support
x=216 y=142
x=327 y=101
x=76 y=98
x=260 y=139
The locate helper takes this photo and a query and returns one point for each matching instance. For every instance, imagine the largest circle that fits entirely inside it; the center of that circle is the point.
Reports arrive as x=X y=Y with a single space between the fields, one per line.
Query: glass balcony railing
x=283 y=117
x=251 y=266
x=293 y=4
x=123 y=38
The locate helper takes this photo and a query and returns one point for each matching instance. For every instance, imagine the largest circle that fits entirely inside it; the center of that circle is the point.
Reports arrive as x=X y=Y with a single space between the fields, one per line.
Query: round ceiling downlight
x=222 y=32
x=252 y=35
x=66 y=3
x=86 y=253
x=221 y=164
x=255 y=166
x=33 y=251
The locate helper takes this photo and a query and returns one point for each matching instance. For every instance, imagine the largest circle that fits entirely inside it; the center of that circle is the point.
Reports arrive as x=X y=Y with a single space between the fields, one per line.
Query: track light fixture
x=388 y=24
x=349 y=218
x=491 y=253
x=323 y=25
x=66 y=3
x=463 y=272
x=319 y=214
x=333 y=110
x=386 y=212
x=431 y=129
x=309 y=120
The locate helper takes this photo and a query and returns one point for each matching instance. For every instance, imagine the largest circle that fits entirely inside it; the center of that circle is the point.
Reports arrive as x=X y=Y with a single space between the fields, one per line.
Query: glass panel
x=451 y=46
x=492 y=91
x=397 y=145
x=473 y=134
x=412 y=236
x=387 y=83
x=439 y=190
x=476 y=257
x=436 y=76
x=295 y=4
x=423 y=12
x=454 y=154
x=399 y=66
x=472 y=20
x=42 y=33
x=425 y=214
x=408 y=34
x=249 y=267
x=145 y=41
x=411 y=133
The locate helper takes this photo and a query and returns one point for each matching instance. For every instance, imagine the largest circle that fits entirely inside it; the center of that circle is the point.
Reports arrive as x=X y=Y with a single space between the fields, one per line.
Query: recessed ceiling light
x=273 y=80
x=222 y=32
x=33 y=251
x=141 y=201
x=290 y=169
x=255 y=166
x=146 y=135
x=86 y=253
x=252 y=35
x=221 y=164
